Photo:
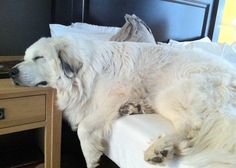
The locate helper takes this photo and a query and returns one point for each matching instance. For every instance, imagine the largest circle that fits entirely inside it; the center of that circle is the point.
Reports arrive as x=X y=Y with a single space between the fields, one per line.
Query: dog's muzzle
x=14 y=73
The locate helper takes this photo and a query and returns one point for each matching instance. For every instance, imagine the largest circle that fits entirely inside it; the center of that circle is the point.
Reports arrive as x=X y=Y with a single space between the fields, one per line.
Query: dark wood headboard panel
x=23 y=22
x=175 y=19
x=168 y=19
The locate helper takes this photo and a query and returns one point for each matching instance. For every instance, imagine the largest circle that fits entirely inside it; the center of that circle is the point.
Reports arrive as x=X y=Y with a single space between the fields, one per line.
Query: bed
x=180 y=23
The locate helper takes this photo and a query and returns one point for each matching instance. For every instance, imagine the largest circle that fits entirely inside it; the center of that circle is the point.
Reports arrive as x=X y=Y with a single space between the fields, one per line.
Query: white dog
x=193 y=90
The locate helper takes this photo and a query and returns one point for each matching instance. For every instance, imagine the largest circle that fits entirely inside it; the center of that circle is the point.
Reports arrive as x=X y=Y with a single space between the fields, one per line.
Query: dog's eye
x=37 y=57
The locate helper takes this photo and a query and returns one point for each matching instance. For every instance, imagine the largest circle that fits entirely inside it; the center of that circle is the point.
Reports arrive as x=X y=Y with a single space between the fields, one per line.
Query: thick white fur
x=195 y=91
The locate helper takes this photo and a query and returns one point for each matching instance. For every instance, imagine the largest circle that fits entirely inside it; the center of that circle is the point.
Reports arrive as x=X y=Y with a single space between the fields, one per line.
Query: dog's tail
x=215 y=144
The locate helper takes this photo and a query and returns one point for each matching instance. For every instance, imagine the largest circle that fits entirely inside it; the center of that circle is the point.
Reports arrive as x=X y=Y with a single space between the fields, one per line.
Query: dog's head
x=46 y=63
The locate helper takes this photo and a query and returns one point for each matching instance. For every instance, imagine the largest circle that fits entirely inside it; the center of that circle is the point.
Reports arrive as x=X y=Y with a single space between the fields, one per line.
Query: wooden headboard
x=168 y=19
x=23 y=22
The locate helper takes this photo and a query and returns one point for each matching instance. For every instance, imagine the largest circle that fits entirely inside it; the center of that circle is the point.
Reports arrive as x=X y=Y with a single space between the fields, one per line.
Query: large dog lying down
x=96 y=80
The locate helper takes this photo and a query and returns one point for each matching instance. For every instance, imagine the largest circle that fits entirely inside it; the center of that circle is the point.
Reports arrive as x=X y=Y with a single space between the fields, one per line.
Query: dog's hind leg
x=184 y=109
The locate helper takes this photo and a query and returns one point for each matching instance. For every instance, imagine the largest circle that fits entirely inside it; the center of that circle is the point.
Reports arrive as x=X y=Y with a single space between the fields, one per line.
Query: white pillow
x=83 y=30
x=95 y=28
x=184 y=43
x=134 y=29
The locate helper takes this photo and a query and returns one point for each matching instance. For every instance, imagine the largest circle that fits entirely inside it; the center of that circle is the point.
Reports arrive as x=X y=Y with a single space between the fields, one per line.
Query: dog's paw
x=139 y=106
x=155 y=157
x=159 y=152
x=130 y=108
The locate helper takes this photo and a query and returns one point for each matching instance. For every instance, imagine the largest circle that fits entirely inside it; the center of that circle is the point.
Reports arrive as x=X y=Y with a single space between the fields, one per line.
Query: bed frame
x=169 y=19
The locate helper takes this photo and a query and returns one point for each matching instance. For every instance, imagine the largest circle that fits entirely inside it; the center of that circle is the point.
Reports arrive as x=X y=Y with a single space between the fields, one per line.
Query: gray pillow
x=134 y=30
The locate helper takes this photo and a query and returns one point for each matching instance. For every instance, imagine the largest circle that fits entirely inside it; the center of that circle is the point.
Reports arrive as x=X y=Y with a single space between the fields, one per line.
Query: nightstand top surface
x=7 y=86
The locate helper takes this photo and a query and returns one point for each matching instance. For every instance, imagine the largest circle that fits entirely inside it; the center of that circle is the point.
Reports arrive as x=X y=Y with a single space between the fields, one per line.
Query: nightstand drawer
x=22 y=110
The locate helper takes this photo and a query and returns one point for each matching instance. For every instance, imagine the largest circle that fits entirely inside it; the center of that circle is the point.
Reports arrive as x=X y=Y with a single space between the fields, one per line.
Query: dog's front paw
x=129 y=108
x=139 y=106
x=159 y=152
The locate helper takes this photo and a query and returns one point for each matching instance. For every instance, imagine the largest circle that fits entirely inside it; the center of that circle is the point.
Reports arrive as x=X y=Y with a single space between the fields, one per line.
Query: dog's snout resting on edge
x=195 y=91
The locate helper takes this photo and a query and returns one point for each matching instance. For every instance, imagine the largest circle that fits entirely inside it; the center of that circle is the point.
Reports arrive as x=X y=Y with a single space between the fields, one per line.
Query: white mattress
x=130 y=137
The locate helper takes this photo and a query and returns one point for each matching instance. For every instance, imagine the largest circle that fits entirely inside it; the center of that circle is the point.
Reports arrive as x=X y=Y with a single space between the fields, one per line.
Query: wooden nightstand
x=26 y=108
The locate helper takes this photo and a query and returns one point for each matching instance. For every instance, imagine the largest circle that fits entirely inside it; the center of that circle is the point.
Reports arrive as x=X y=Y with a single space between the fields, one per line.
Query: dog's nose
x=14 y=72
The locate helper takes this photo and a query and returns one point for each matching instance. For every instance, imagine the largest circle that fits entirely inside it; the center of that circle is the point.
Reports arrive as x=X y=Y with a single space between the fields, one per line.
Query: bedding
x=131 y=135
x=135 y=30
x=219 y=49
x=83 y=30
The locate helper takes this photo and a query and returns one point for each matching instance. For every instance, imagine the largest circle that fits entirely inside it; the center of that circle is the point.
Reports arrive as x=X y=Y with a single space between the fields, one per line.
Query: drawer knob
x=2 y=113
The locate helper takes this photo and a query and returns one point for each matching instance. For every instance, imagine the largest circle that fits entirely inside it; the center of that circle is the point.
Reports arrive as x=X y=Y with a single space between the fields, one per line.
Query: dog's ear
x=67 y=56
x=69 y=69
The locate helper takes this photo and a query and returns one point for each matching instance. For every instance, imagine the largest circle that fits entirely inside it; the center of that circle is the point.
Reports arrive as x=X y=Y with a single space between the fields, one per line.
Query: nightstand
x=26 y=108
